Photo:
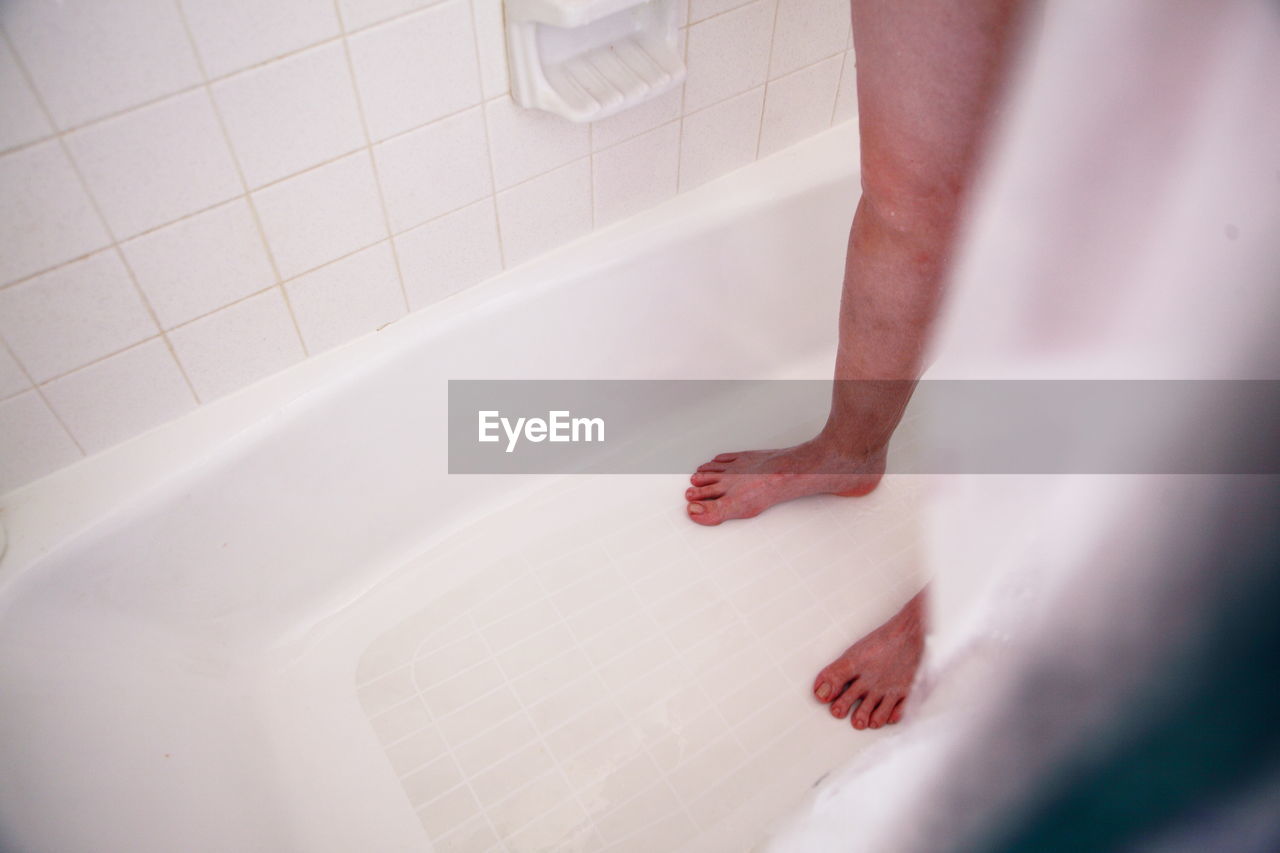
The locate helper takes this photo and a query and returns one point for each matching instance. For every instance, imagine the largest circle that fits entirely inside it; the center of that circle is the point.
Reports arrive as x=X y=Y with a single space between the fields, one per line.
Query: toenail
x=697 y=509
x=824 y=691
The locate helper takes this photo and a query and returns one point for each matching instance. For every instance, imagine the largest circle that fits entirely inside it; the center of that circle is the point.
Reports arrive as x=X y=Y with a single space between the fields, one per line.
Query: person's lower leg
x=952 y=61
x=927 y=82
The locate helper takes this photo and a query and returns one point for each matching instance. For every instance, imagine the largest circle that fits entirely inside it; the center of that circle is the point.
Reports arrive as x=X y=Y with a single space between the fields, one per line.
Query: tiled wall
x=195 y=194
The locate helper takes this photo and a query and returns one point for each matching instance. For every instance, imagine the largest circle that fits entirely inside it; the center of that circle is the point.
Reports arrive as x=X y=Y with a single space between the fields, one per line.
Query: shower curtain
x=1099 y=671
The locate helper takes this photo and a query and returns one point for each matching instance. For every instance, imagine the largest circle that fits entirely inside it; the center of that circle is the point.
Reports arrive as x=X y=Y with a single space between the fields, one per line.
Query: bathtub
x=279 y=624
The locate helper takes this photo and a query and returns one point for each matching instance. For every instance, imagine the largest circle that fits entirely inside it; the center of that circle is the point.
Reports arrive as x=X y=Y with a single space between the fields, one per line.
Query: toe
x=705 y=478
x=896 y=715
x=701 y=493
x=863 y=715
x=726 y=457
x=711 y=467
x=880 y=716
x=831 y=682
x=840 y=707
x=706 y=513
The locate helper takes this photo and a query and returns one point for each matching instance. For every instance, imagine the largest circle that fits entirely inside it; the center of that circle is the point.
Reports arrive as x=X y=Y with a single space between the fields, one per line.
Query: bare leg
x=927 y=82
x=928 y=78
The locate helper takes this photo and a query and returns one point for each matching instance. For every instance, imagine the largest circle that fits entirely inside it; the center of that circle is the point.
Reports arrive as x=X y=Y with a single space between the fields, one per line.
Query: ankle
x=840 y=443
x=910 y=619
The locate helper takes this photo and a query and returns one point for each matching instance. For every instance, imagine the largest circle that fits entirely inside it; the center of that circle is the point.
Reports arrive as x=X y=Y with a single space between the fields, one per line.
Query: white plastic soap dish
x=587 y=59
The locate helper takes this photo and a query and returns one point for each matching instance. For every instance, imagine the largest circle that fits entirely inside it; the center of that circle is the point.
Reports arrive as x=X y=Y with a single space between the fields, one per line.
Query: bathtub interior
x=278 y=625
x=605 y=675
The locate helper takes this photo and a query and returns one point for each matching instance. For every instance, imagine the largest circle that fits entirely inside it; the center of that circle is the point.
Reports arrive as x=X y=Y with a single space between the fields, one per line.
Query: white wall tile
x=200 y=264
x=728 y=54
x=12 y=379
x=70 y=316
x=635 y=121
x=421 y=68
x=543 y=213
x=233 y=34
x=320 y=215
x=637 y=174
x=348 y=298
x=156 y=164
x=530 y=142
x=701 y=9
x=720 y=138
x=449 y=253
x=361 y=13
x=847 y=97
x=799 y=104
x=32 y=442
x=288 y=115
x=416 y=69
x=491 y=41
x=435 y=169
x=24 y=121
x=121 y=396
x=45 y=215
x=808 y=30
x=238 y=345
x=89 y=60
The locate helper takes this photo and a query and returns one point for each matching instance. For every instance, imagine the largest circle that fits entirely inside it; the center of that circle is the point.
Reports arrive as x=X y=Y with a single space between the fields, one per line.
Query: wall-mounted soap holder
x=587 y=59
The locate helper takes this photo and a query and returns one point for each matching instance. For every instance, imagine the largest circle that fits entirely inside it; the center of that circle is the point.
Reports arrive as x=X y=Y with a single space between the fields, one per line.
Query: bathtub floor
x=621 y=679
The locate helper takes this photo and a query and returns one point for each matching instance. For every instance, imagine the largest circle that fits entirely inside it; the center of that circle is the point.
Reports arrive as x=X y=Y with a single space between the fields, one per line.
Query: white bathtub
x=278 y=624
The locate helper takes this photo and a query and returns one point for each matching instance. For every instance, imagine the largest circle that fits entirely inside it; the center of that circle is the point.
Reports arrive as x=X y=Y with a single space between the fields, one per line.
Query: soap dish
x=588 y=59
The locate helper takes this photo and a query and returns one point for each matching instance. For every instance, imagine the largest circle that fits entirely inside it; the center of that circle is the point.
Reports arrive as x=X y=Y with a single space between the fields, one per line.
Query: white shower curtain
x=1127 y=227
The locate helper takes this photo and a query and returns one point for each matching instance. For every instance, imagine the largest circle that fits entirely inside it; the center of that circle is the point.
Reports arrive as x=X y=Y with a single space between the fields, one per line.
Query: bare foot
x=743 y=485
x=878 y=669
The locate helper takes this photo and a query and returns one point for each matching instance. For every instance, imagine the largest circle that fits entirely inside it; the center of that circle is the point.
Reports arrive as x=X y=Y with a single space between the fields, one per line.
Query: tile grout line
x=207 y=314
x=764 y=101
x=684 y=89
x=43 y=398
x=448 y=748
x=627 y=718
x=488 y=135
x=666 y=777
x=477 y=631
x=244 y=183
x=449 y=751
x=164 y=336
x=373 y=161
x=213 y=79
x=541 y=739
x=330 y=161
x=835 y=106
x=113 y=244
